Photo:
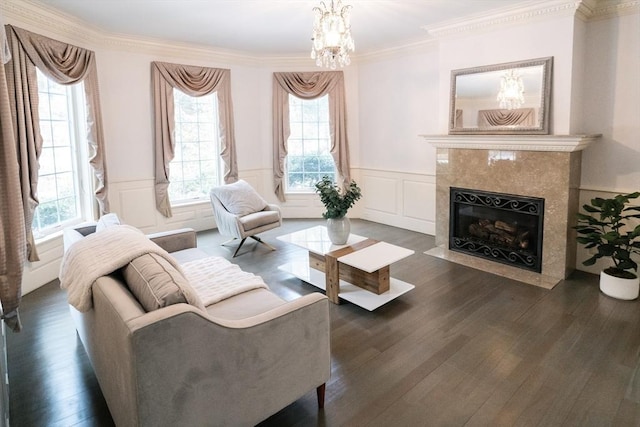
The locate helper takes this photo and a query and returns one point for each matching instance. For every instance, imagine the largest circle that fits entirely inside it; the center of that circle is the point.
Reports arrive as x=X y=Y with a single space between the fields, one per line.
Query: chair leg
x=320 y=393
x=239 y=246
x=259 y=240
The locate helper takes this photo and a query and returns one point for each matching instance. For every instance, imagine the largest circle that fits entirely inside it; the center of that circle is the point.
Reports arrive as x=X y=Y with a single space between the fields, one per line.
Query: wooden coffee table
x=358 y=272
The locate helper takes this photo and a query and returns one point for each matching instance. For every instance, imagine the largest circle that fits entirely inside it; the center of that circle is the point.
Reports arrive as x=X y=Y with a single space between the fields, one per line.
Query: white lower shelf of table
x=348 y=292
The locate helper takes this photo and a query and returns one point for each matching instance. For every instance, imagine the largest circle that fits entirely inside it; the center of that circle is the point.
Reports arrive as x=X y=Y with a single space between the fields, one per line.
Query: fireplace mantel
x=540 y=166
x=560 y=143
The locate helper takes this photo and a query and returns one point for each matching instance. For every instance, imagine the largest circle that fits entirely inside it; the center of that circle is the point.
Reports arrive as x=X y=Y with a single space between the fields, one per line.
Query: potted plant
x=337 y=203
x=605 y=227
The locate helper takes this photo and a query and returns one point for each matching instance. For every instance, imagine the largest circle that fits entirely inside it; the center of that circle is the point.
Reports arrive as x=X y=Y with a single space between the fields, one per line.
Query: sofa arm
x=273 y=207
x=175 y=240
x=229 y=372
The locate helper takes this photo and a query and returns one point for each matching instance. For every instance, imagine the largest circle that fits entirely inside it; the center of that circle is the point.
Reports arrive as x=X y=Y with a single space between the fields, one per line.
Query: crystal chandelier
x=511 y=94
x=331 y=38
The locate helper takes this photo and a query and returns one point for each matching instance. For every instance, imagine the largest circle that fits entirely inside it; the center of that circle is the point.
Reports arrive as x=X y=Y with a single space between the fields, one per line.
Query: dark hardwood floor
x=465 y=348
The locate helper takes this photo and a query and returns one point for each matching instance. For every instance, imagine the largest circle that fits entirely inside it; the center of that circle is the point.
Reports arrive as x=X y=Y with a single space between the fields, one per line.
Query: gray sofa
x=237 y=363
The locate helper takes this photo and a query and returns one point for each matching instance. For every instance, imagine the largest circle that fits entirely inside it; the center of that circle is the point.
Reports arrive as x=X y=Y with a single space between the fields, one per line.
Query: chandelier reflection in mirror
x=511 y=94
x=331 y=38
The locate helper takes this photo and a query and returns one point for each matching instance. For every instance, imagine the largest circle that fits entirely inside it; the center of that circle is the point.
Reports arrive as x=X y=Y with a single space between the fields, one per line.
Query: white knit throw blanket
x=215 y=279
x=100 y=254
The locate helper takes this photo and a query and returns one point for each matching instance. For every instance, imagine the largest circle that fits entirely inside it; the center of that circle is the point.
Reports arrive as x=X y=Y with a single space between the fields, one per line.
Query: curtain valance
x=500 y=117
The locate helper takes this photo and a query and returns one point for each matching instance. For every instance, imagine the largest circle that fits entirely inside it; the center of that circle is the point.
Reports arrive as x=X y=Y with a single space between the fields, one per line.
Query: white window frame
x=173 y=165
x=321 y=134
x=83 y=183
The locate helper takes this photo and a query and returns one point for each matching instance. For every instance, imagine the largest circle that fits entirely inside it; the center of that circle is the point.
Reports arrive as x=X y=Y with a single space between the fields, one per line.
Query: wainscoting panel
x=137 y=206
x=198 y=216
x=47 y=269
x=380 y=193
x=134 y=202
x=404 y=200
x=303 y=206
x=416 y=200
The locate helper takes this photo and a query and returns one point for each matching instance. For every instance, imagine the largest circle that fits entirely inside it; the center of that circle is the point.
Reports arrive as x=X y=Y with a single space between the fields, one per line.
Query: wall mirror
x=509 y=98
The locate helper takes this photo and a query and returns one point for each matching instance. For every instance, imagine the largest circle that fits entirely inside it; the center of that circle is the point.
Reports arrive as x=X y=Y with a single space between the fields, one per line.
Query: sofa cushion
x=156 y=283
x=239 y=198
x=246 y=304
x=187 y=255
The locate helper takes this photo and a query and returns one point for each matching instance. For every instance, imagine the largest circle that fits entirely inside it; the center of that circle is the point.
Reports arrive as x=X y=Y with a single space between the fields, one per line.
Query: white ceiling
x=276 y=27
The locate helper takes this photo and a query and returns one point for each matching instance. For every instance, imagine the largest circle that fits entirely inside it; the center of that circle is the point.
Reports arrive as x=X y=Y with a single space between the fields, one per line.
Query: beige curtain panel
x=194 y=81
x=519 y=117
x=309 y=85
x=66 y=64
x=458 y=120
x=13 y=242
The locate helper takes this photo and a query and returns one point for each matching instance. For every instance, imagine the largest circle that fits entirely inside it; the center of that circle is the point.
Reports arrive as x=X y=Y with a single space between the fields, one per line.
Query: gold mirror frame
x=474 y=94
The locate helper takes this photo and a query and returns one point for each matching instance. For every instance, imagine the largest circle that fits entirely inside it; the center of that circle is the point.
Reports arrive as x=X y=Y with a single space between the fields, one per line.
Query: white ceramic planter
x=626 y=289
x=338 y=230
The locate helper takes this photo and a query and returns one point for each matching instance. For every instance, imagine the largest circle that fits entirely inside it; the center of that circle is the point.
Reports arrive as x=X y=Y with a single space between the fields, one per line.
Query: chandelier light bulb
x=331 y=39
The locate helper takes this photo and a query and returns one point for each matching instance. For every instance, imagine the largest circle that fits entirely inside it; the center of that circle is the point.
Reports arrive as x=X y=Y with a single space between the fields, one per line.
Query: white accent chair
x=240 y=212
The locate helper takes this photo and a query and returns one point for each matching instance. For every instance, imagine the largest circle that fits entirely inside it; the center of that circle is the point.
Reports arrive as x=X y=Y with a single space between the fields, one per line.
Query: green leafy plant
x=335 y=201
x=605 y=228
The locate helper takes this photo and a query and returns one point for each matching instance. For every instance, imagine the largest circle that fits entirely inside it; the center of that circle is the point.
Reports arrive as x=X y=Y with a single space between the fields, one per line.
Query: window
x=196 y=165
x=309 y=157
x=61 y=177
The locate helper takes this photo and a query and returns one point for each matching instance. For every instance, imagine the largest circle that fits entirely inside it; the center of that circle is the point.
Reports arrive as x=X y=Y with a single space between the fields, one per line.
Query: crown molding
x=585 y=10
x=510 y=15
x=165 y=48
x=605 y=9
x=37 y=16
x=410 y=47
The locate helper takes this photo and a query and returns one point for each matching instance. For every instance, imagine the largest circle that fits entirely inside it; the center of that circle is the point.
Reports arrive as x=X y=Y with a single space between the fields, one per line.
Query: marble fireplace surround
x=546 y=166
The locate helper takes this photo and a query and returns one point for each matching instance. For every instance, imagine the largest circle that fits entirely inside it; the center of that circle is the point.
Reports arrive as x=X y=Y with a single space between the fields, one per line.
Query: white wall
x=612 y=104
x=392 y=98
x=125 y=81
x=399 y=101
x=528 y=40
x=407 y=94
x=595 y=89
x=611 y=107
x=125 y=85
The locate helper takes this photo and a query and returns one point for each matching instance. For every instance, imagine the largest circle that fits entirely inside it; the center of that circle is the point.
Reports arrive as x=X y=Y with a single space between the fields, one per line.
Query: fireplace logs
x=500 y=233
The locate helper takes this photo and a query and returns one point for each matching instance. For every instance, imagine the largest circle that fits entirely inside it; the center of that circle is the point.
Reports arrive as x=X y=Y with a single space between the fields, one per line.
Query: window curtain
x=309 y=85
x=66 y=64
x=12 y=229
x=194 y=81
x=458 y=123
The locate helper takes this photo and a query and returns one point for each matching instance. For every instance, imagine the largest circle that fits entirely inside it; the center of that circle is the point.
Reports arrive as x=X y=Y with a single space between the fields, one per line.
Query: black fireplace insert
x=501 y=227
